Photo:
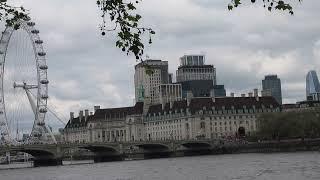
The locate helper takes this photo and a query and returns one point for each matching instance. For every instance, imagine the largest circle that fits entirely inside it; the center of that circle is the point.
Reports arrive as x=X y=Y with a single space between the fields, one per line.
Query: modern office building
x=197 y=78
x=266 y=92
x=312 y=86
x=193 y=67
x=198 y=88
x=219 y=91
x=145 y=84
x=272 y=83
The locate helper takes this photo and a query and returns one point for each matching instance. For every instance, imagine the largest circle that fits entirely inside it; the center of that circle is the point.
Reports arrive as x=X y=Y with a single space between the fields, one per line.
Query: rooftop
x=197 y=104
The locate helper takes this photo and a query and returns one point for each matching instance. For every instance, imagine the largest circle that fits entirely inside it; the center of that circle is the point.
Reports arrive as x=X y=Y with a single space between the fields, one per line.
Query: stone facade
x=196 y=118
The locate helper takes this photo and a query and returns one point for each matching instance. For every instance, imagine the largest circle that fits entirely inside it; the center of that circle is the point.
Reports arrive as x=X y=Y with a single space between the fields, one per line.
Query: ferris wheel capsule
x=43 y=67
x=38 y=41
x=44 y=81
x=44 y=96
x=35 y=31
x=43 y=110
x=31 y=23
x=41 y=53
x=40 y=123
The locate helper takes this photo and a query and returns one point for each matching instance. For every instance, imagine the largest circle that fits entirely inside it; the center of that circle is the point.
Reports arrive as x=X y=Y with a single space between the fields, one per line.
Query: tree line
x=289 y=125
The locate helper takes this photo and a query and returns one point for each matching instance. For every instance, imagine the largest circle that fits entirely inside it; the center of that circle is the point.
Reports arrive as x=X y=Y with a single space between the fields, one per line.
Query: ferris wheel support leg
x=52 y=136
x=32 y=103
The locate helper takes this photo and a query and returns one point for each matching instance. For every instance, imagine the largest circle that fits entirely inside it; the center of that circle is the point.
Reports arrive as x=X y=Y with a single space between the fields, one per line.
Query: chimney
x=86 y=114
x=212 y=93
x=163 y=104
x=250 y=94
x=189 y=97
x=255 y=92
x=232 y=94
x=96 y=108
x=243 y=95
x=80 y=116
x=71 y=117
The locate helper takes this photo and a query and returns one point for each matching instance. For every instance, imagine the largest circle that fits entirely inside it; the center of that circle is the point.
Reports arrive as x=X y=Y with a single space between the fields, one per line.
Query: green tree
x=284 y=125
x=11 y=14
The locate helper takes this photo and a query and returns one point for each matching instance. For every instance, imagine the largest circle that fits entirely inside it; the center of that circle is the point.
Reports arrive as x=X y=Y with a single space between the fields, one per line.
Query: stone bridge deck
x=52 y=154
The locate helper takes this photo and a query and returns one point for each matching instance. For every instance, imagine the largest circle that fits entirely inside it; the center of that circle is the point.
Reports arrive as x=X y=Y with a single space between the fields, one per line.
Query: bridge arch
x=41 y=157
x=195 y=145
x=104 y=153
x=153 y=147
x=154 y=150
x=100 y=149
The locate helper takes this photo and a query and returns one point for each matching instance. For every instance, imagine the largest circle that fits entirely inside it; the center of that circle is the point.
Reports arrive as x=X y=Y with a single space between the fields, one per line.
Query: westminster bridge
x=52 y=154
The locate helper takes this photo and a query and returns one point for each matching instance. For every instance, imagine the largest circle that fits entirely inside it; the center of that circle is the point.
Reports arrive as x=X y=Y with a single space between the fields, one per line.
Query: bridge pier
x=47 y=162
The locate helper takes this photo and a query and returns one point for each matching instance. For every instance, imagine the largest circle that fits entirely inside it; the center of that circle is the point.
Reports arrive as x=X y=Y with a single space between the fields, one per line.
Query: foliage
x=11 y=14
x=304 y=124
x=269 y=4
x=126 y=22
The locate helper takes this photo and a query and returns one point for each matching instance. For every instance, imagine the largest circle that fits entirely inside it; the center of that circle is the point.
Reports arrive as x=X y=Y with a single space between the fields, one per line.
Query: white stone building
x=76 y=130
x=187 y=119
x=207 y=117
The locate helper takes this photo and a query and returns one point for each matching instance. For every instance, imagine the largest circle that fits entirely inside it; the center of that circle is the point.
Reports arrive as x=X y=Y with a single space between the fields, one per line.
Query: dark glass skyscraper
x=312 y=84
x=272 y=84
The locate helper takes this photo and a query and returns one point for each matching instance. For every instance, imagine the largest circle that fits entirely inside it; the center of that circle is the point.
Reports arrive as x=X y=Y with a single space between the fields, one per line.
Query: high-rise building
x=198 y=78
x=193 y=67
x=219 y=91
x=145 y=84
x=198 y=88
x=272 y=85
x=312 y=86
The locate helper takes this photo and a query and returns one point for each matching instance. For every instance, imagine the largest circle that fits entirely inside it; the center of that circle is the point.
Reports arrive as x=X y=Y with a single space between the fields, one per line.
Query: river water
x=278 y=166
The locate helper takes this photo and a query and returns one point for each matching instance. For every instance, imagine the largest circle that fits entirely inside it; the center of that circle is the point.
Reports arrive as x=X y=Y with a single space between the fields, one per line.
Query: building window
x=202 y=125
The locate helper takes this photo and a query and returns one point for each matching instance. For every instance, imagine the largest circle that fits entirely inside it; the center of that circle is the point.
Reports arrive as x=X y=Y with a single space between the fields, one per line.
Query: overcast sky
x=86 y=69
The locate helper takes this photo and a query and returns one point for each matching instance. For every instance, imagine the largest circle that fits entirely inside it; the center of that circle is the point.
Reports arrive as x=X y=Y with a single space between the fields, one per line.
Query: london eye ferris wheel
x=23 y=83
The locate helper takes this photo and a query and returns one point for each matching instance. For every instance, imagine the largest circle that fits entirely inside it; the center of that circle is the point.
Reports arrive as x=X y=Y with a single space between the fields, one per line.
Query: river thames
x=277 y=166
